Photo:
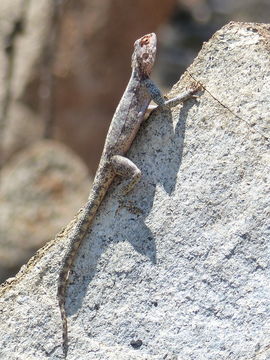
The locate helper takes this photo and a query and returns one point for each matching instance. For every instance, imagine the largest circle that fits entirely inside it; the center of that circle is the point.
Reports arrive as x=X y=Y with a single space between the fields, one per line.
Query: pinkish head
x=144 y=54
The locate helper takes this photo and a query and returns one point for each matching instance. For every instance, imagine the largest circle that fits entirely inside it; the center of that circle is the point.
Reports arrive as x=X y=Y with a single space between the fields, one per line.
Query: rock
x=41 y=188
x=179 y=269
x=19 y=64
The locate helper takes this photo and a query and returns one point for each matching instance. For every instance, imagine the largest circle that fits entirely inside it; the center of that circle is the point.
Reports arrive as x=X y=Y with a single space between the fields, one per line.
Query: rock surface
x=180 y=268
x=40 y=189
x=19 y=59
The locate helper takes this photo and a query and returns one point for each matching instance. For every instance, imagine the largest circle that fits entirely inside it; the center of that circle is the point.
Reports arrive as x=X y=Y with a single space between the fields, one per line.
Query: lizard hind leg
x=128 y=170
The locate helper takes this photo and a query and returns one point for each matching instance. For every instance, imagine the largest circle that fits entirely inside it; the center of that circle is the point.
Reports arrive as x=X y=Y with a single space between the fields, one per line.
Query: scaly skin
x=123 y=129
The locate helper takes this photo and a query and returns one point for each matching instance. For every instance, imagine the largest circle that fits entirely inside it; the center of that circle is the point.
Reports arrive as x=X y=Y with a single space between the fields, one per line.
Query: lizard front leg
x=127 y=169
x=159 y=99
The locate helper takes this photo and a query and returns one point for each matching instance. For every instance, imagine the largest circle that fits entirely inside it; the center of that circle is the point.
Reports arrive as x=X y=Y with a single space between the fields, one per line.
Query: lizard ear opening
x=145 y=56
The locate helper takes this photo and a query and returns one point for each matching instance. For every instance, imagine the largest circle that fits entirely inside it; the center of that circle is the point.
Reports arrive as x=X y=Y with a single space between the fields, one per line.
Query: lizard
x=125 y=124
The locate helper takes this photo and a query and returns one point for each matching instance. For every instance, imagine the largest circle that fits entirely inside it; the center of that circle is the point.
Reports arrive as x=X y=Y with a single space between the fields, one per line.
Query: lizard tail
x=77 y=237
x=61 y=299
x=62 y=286
x=80 y=230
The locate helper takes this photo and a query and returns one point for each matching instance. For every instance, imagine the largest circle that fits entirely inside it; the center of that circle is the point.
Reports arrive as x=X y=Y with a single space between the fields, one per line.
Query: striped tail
x=102 y=181
x=80 y=232
x=61 y=299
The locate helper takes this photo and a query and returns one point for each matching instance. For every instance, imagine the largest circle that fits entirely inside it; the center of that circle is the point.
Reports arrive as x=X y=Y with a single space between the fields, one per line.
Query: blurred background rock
x=64 y=65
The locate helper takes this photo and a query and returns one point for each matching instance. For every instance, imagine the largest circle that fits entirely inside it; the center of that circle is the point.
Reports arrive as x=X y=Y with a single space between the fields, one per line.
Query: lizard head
x=144 y=54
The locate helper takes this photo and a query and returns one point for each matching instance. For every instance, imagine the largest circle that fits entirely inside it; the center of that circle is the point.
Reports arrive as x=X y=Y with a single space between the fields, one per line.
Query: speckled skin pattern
x=123 y=129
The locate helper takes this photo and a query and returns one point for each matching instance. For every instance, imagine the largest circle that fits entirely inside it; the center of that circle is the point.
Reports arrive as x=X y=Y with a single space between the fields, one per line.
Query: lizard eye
x=144 y=40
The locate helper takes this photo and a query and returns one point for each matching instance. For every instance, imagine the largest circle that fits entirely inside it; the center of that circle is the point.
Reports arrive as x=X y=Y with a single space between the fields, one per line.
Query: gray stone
x=180 y=268
x=41 y=188
x=24 y=27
